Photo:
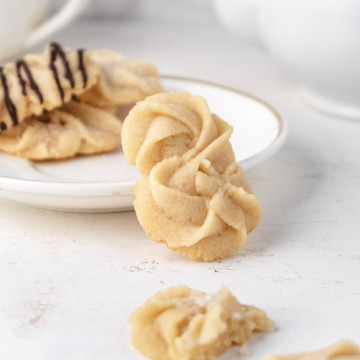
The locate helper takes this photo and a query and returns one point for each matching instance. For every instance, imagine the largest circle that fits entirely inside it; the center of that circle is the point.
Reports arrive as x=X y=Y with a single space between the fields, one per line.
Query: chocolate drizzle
x=11 y=108
x=24 y=76
x=55 y=51
x=82 y=67
x=22 y=64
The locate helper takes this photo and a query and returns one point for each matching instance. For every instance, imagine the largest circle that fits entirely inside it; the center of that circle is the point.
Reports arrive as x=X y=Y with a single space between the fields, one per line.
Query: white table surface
x=68 y=282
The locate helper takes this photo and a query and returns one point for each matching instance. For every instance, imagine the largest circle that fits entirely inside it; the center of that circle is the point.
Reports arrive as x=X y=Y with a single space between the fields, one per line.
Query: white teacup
x=22 y=23
x=318 y=39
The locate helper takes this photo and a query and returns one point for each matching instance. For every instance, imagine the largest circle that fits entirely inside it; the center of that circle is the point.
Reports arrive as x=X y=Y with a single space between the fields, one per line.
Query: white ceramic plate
x=105 y=182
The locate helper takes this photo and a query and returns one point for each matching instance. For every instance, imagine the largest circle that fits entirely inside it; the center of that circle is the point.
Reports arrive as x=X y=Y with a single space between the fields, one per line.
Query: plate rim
x=126 y=188
x=282 y=130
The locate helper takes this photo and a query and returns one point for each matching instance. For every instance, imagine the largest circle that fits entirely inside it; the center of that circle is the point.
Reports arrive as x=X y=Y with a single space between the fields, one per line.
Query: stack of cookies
x=64 y=103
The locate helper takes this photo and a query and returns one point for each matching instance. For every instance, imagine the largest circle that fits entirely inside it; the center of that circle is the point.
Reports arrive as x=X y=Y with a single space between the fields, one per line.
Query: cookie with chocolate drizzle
x=43 y=82
x=62 y=103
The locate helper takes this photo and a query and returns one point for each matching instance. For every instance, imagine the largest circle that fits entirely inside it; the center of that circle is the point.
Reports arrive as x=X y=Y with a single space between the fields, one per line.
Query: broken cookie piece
x=342 y=350
x=184 y=324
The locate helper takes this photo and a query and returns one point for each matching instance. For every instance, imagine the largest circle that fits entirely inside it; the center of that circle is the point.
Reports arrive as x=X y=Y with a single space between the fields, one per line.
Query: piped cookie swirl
x=193 y=195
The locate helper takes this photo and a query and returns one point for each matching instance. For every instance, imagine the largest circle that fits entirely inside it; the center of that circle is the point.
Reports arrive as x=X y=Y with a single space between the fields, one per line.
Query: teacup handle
x=66 y=14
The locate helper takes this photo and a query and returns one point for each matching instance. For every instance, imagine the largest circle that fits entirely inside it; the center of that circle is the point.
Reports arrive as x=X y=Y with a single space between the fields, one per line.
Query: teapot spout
x=240 y=17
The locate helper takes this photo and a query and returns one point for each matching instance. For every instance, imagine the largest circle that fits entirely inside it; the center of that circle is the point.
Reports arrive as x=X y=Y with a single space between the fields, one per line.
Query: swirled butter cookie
x=342 y=350
x=184 y=324
x=193 y=195
x=73 y=129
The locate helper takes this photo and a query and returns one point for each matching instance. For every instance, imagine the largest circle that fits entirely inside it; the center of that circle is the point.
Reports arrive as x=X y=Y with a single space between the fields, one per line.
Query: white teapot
x=318 y=39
